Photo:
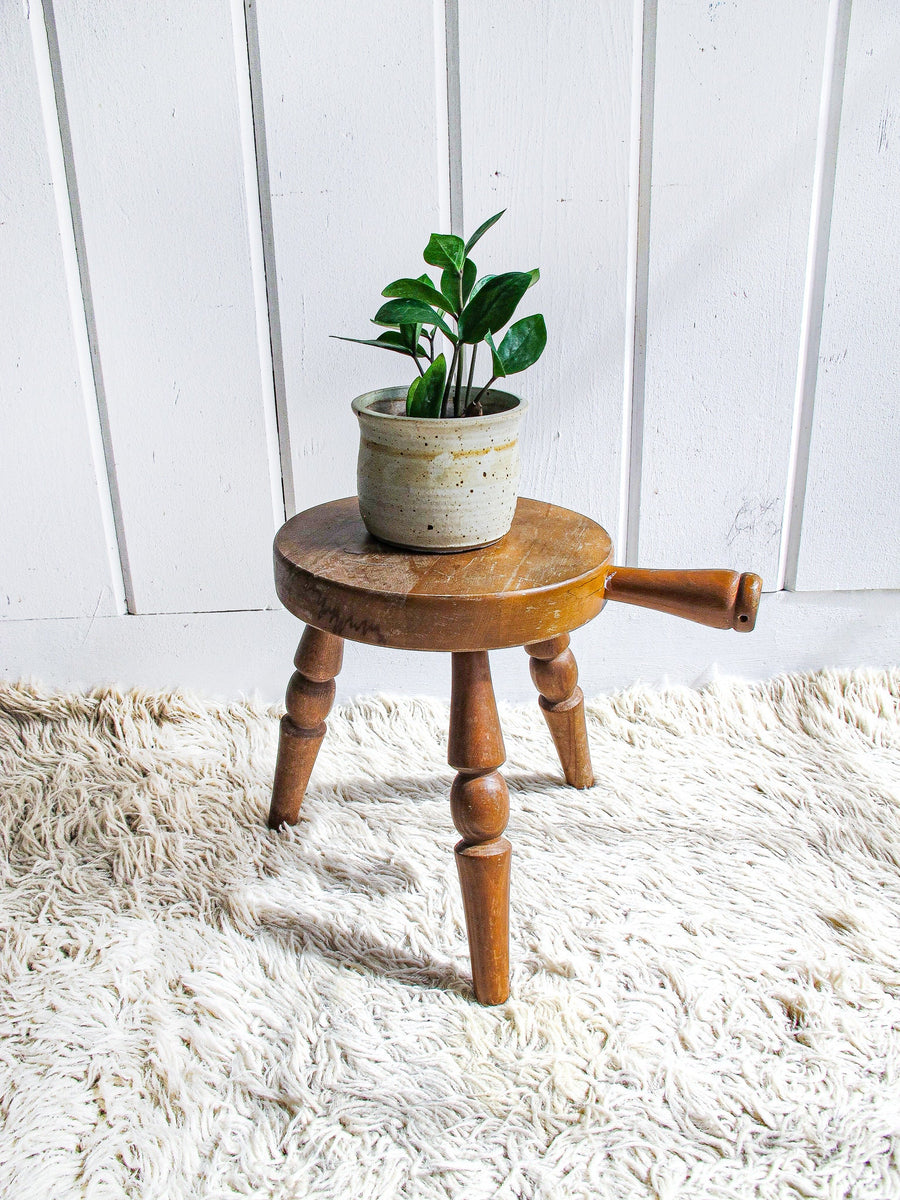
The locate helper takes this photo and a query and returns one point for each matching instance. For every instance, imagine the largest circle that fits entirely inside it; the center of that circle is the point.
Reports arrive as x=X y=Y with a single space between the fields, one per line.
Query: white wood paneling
x=736 y=108
x=353 y=98
x=850 y=534
x=57 y=555
x=545 y=108
x=154 y=115
x=193 y=196
x=796 y=631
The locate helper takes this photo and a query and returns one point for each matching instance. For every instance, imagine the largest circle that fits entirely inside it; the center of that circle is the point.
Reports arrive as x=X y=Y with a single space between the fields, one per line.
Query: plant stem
x=430 y=337
x=492 y=379
x=449 y=382
x=418 y=364
x=471 y=373
x=457 y=407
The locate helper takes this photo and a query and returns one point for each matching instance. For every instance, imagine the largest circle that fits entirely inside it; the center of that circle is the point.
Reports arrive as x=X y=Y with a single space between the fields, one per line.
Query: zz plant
x=467 y=311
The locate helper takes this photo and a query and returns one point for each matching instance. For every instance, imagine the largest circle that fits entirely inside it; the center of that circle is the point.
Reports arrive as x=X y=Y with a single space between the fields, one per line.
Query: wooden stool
x=549 y=575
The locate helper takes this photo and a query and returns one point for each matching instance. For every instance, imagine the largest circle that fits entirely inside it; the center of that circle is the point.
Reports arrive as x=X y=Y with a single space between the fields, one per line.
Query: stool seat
x=544 y=578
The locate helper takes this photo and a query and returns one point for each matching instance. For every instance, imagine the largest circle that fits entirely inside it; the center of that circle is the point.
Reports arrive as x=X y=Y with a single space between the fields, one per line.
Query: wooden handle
x=722 y=599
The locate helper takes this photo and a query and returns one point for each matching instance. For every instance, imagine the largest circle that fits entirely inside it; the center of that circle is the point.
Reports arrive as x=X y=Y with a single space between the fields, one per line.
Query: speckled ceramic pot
x=441 y=485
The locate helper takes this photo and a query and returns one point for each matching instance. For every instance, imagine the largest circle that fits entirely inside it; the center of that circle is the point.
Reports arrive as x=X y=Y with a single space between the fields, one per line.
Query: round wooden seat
x=546 y=577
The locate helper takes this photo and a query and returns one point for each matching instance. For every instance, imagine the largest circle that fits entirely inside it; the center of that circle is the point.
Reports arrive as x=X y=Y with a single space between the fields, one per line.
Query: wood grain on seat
x=544 y=578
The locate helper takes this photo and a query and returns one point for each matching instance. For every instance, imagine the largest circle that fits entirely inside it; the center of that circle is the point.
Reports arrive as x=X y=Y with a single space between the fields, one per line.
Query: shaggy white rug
x=706 y=961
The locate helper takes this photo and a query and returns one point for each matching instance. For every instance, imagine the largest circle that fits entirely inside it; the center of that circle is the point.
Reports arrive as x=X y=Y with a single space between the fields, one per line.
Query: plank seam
x=448 y=114
x=827 y=137
x=636 y=304
x=57 y=131
x=454 y=115
x=265 y=273
x=441 y=117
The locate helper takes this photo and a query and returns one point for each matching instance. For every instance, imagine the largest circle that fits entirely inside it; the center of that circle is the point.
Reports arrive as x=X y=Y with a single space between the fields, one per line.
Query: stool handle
x=722 y=599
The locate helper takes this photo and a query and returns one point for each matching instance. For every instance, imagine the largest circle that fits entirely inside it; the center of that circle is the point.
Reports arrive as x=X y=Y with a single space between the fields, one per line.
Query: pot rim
x=361 y=405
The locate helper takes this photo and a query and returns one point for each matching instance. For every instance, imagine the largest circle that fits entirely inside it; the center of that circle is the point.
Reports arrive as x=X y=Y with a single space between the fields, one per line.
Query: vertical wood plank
x=351 y=96
x=154 y=116
x=736 y=107
x=643 y=92
x=57 y=556
x=546 y=94
x=850 y=535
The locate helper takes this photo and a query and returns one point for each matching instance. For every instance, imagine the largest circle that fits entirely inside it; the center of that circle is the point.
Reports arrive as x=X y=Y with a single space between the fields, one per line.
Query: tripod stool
x=552 y=573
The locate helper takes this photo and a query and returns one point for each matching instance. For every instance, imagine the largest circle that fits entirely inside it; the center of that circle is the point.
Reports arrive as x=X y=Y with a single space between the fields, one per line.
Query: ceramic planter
x=441 y=485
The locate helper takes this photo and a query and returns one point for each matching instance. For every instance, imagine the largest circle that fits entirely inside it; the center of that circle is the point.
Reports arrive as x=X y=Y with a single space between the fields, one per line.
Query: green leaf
x=406 y=312
x=387 y=341
x=450 y=288
x=410 y=335
x=445 y=250
x=468 y=278
x=411 y=395
x=533 y=276
x=450 y=284
x=482 y=229
x=498 y=369
x=480 y=284
x=426 y=393
x=493 y=306
x=523 y=344
x=415 y=289
x=427 y=280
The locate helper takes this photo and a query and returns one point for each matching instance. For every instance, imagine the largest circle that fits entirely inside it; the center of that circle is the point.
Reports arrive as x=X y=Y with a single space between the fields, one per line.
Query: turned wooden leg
x=555 y=675
x=479 y=804
x=310 y=695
